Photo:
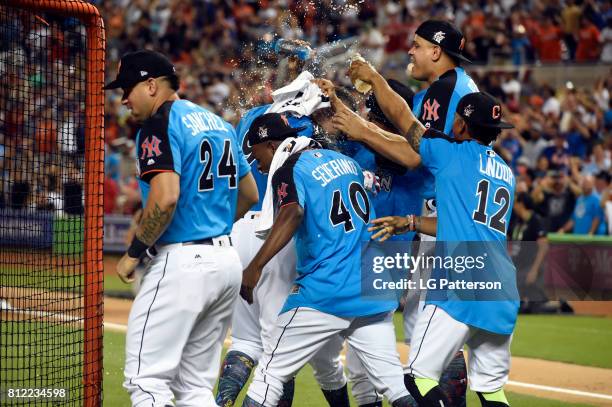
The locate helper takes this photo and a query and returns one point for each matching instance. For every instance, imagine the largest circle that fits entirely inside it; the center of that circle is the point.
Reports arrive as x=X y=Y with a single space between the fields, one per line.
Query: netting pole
x=94 y=210
x=94 y=181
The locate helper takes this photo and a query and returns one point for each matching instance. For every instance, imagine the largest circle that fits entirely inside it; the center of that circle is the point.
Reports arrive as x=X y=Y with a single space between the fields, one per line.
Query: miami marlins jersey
x=202 y=148
x=401 y=190
x=241 y=129
x=329 y=187
x=474 y=194
x=435 y=106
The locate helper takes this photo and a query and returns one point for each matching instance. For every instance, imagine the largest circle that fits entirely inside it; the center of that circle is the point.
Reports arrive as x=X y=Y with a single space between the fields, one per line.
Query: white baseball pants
x=178 y=322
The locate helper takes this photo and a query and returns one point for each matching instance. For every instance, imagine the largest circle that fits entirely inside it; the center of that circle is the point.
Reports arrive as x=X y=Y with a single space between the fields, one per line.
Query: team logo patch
x=150 y=148
x=143 y=73
x=430 y=110
x=295 y=289
x=469 y=109
x=281 y=191
x=491 y=153
x=263 y=132
x=439 y=36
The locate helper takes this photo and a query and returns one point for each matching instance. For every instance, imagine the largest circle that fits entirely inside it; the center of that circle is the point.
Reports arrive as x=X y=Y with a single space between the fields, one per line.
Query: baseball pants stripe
x=439 y=336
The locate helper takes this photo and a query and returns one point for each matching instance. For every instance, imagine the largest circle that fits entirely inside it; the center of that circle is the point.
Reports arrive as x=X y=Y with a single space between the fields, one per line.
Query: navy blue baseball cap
x=445 y=35
x=271 y=126
x=482 y=110
x=139 y=66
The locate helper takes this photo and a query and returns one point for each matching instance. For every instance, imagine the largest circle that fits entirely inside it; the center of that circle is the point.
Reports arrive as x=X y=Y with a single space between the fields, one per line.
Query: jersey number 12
x=501 y=197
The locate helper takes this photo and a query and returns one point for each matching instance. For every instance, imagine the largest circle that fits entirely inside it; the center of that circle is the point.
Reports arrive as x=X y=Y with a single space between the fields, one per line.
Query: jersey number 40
x=502 y=197
x=225 y=168
x=340 y=214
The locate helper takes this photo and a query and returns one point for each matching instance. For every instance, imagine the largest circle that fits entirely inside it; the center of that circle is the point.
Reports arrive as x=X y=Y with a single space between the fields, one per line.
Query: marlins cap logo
x=439 y=36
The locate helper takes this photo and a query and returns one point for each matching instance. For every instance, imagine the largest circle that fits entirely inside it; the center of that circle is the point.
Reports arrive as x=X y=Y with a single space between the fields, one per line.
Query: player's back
x=202 y=148
x=241 y=129
x=329 y=187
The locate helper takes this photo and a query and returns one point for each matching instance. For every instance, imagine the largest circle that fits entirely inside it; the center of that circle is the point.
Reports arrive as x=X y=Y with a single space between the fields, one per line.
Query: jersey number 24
x=225 y=168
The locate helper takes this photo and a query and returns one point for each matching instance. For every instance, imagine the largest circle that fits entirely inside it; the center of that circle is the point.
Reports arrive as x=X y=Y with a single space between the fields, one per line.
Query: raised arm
x=392 y=104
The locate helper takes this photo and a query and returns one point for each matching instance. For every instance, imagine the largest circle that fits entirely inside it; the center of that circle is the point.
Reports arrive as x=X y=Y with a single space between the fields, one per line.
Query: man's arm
x=594 y=225
x=393 y=105
x=286 y=224
x=247 y=195
x=156 y=216
x=569 y=225
x=534 y=271
x=392 y=146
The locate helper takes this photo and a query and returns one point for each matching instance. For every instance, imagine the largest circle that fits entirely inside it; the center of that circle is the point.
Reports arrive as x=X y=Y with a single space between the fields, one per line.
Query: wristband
x=137 y=248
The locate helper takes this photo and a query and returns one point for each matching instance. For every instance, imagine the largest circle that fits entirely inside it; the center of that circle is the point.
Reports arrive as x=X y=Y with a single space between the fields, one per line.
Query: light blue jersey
x=202 y=148
x=474 y=193
x=241 y=129
x=329 y=187
x=401 y=191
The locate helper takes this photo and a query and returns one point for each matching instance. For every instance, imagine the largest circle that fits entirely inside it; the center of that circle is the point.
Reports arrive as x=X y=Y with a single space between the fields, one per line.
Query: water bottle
x=361 y=86
x=291 y=48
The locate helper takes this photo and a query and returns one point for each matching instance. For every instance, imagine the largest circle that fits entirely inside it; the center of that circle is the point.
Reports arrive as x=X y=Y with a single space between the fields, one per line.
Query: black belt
x=152 y=251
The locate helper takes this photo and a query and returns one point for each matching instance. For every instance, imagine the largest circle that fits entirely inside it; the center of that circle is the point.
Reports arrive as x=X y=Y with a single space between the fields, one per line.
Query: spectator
x=554 y=197
x=558 y=154
x=606 y=40
x=606 y=205
x=602 y=182
x=587 y=217
x=570 y=21
x=599 y=161
x=588 y=48
x=549 y=41
x=551 y=107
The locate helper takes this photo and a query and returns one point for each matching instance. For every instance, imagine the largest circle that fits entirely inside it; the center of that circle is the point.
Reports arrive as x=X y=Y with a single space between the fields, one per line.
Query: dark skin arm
x=285 y=225
x=388 y=226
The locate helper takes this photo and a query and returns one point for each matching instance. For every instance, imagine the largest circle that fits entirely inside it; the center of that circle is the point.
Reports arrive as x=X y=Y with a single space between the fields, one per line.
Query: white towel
x=289 y=146
x=301 y=97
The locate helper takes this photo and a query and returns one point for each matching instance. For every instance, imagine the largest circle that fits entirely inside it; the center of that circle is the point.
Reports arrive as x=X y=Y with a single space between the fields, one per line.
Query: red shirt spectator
x=46 y=139
x=548 y=41
x=588 y=41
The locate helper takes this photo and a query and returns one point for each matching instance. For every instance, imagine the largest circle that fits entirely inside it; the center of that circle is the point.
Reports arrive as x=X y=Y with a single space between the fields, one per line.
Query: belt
x=211 y=241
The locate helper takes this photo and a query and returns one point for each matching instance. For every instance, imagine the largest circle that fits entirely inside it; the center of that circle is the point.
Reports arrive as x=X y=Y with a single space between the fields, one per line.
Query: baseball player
x=401 y=191
x=195 y=182
x=475 y=190
x=320 y=197
x=436 y=56
x=253 y=325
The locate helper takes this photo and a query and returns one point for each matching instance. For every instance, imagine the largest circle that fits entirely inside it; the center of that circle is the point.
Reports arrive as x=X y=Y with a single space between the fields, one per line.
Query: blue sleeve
x=436 y=150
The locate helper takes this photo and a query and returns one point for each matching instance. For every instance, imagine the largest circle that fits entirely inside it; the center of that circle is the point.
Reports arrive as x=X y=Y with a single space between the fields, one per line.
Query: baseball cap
x=139 y=66
x=270 y=126
x=445 y=35
x=371 y=103
x=482 y=110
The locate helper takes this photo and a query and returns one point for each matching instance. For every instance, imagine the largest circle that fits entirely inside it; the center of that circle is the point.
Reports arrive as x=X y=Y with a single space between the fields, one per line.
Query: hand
x=371 y=182
x=351 y=124
x=532 y=276
x=392 y=225
x=329 y=90
x=250 y=278
x=125 y=268
x=362 y=70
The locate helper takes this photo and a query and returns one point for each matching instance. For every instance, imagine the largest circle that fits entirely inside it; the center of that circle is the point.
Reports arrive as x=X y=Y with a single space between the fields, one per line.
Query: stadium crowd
x=560 y=149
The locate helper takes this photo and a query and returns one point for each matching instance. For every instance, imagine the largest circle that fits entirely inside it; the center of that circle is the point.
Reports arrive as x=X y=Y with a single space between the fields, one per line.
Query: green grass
x=113 y=284
x=561 y=338
x=39 y=276
x=307 y=393
x=42 y=355
x=573 y=339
